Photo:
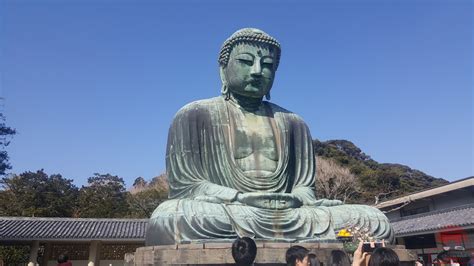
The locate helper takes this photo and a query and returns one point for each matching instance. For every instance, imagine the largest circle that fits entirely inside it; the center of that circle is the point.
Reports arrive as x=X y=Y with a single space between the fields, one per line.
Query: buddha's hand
x=328 y=202
x=274 y=201
x=210 y=199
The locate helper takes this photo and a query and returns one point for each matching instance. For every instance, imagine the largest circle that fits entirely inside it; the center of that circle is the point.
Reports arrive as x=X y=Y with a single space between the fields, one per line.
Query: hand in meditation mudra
x=241 y=166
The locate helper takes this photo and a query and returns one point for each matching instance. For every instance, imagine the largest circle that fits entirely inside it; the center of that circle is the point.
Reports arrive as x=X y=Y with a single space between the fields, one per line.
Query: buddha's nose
x=256 y=70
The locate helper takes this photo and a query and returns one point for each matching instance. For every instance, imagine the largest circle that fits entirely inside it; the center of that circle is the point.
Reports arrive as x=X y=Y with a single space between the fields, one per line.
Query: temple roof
x=85 y=229
x=33 y=228
x=461 y=217
x=459 y=184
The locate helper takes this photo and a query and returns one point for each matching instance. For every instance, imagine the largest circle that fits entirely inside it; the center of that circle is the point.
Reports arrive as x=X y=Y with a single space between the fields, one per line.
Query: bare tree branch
x=384 y=194
x=334 y=181
x=399 y=207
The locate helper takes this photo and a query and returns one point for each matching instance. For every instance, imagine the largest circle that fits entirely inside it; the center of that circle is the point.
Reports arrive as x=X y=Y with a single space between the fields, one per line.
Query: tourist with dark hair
x=384 y=257
x=443 y=257
x=379 y=257
x=297 y=256
x=244 y=251
x=339 y=258
x=446 y=258
x=63 y=260
x=313 y=260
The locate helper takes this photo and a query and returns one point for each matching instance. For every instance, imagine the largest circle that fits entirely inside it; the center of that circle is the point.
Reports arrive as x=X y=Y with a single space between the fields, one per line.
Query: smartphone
x=367 y=248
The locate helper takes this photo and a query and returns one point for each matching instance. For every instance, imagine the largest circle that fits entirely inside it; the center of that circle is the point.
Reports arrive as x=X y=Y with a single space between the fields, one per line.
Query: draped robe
x=204 y=181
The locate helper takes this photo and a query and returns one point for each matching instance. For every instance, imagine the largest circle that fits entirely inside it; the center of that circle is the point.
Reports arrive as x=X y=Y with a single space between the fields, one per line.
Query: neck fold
x=248 y=103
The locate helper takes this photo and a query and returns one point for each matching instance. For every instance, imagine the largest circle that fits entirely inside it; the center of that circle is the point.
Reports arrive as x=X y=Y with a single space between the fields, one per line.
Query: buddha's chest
x=254 y=137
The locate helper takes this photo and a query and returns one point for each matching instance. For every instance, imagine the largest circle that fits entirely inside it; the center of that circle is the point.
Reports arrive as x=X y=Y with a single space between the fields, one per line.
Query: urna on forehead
x=248 y=35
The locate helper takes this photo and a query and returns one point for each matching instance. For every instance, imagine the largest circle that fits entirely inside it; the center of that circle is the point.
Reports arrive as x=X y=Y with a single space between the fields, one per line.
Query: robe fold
x=204 y=181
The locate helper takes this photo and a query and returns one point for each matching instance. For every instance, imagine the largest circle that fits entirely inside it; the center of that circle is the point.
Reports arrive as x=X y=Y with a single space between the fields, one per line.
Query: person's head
x=244 y=251
x=248 y=61
x=63 y=258
x=384 y=257
x=339 y=258
x=313 y=260
x=297 y=256
x=443 y=257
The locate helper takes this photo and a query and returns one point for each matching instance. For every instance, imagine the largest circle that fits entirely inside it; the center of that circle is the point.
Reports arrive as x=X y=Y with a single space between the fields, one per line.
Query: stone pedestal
x=268 y=253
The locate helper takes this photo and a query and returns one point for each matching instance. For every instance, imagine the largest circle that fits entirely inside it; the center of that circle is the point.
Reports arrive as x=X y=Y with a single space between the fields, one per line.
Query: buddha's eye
x=267 y=62
x=267 y=65
x=245 y=58
x=245 y=61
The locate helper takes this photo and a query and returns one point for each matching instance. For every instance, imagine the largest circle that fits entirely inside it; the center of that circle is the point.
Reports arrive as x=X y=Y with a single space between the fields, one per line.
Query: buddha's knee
x=363 y=217
x=160 y=229
x=182 y=220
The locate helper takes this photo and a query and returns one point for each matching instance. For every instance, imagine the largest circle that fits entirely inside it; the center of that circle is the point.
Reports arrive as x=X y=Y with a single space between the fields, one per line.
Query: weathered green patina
x=241 y=166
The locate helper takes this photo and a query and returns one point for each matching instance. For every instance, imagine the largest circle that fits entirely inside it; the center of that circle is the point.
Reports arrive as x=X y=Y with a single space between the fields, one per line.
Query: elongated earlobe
x=267 y=96
x=225 y=92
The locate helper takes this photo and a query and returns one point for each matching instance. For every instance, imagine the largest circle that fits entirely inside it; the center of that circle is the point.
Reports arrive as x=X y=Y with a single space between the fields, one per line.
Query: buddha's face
x=250 y=70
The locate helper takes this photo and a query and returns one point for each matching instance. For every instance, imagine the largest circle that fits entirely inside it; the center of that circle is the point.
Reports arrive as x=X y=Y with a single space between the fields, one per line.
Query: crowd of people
x=244 y=252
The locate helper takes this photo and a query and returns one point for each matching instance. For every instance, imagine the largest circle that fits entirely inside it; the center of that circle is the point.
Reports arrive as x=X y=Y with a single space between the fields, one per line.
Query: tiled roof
x=31 y=228
x=462 y=216
x=463 y=183
x=26 y=228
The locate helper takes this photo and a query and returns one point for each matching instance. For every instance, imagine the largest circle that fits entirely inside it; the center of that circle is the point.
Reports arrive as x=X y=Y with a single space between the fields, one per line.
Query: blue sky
x=92 y=86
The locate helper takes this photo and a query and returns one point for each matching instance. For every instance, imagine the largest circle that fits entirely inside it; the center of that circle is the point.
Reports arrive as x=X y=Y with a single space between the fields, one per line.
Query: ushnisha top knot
x=249 y=35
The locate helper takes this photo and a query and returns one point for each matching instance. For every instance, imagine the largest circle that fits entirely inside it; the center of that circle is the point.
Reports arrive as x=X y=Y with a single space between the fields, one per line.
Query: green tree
x=376 y=181
x=143 y=203
x=37 y=194
x=14 y=254
x=5 y=134
x=139 y=182
x=144 y=198
x=104 y=197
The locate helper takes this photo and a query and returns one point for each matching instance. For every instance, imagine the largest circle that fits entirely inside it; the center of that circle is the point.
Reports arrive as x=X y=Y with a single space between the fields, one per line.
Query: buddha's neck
x=248 y=103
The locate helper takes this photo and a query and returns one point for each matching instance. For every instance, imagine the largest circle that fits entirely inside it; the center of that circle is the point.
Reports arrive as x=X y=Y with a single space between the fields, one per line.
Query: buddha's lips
x=256 y=82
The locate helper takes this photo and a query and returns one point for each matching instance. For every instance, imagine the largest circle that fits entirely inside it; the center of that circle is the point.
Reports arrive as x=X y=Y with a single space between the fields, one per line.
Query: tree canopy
x=145 y=197
x=105 y=196
x=37 y=194
x=375 y=181
x=5 y=134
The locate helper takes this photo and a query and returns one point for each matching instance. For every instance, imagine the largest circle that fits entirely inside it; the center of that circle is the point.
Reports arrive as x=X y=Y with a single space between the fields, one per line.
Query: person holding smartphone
x=375 y=256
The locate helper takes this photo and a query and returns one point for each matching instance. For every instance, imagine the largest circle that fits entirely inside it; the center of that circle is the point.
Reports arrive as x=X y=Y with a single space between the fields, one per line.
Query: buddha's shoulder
x=280 y=111
x=199 y=107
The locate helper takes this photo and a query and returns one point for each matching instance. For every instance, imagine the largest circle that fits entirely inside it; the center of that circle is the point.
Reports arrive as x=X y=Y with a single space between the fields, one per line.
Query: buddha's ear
x=224 y=89
x=222 y=74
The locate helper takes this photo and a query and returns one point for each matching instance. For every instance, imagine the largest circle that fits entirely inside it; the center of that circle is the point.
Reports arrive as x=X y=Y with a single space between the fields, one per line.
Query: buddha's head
x=248 y=61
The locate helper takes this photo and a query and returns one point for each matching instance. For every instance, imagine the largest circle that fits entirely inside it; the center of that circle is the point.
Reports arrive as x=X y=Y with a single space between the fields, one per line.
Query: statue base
x=268 y=253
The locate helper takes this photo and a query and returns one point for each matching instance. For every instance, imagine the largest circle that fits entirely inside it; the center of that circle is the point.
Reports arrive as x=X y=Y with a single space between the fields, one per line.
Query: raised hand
x=360 y=257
